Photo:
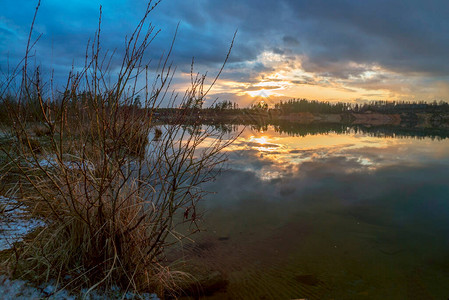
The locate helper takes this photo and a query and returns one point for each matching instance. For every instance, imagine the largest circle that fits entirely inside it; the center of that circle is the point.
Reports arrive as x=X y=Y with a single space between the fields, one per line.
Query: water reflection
x=296 y=129
x=330 y=215
x=269 y=152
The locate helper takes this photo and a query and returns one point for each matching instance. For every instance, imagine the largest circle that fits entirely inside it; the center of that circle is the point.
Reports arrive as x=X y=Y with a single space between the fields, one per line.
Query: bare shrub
x=111 y=196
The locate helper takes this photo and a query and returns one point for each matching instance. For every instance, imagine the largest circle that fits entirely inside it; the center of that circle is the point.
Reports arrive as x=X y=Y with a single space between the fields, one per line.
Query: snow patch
x=14 y=224
x=19 y=289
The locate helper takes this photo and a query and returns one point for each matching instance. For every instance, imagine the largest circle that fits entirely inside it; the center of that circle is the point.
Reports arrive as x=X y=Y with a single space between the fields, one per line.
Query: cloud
x=335 y=42
x=290 y=41
x=401 y=36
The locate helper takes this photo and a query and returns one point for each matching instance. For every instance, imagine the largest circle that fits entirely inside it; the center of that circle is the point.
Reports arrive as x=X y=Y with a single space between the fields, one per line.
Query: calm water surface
x=329 y=216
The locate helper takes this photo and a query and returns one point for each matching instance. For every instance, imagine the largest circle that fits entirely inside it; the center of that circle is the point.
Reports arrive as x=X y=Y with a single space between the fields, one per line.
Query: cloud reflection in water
x=344 y=209
x=273 y=153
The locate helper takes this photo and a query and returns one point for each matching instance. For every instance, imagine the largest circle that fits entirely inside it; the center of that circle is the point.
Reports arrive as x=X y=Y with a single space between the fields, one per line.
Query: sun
x=261 y=140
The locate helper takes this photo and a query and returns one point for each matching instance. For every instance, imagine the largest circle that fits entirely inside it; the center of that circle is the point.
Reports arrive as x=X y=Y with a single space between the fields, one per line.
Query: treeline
x=303 y=105
x=28 y=110
x=326 y=107
x=387 y=107
x=401 y=107
x=64 y=103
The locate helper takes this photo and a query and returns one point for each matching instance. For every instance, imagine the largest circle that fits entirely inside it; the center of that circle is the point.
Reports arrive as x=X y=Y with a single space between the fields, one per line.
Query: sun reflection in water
x=263 y=144
x=262 y=140
x=270 y=154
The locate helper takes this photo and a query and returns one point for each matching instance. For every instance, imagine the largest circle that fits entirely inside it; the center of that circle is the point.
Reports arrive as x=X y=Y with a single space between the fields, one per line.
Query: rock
x=205 y=283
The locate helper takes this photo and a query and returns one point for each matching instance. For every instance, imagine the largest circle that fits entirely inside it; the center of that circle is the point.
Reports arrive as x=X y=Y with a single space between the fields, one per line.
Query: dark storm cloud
x=408 y=37
x=405 y=36
x=290 y=41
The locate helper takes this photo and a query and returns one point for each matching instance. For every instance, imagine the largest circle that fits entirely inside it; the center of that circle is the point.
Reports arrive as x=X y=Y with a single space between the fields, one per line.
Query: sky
x=332 y=50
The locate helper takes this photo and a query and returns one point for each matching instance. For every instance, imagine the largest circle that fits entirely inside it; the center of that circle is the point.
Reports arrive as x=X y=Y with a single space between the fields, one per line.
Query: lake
x=351 y=214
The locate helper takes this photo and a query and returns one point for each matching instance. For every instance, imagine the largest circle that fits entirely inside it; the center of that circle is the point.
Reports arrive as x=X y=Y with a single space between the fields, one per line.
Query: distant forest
x=326 y=107
x=303 y=105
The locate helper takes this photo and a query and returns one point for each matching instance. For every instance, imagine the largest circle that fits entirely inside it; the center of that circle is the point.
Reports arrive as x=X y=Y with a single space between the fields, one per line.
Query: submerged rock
x=204 y=282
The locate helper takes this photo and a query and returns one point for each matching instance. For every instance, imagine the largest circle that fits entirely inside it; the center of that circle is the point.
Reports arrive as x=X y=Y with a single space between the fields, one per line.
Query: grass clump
x=110 y=196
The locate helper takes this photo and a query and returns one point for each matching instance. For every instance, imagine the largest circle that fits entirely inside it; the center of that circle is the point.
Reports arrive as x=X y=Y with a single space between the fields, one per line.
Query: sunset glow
x=312 y=51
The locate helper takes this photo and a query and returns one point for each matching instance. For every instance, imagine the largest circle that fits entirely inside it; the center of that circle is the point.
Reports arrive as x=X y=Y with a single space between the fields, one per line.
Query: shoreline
x=404 y=120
